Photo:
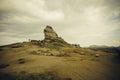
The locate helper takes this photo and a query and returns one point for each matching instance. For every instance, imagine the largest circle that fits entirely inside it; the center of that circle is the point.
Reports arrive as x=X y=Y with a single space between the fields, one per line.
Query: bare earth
x=75 y=67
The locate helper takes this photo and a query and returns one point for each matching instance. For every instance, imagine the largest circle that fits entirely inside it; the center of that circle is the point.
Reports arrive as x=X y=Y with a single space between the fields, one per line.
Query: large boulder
x=50 y=33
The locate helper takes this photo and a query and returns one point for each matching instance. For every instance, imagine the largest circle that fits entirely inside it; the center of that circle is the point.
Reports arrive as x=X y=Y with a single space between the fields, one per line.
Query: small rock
x=97 y=55
x=15 y=46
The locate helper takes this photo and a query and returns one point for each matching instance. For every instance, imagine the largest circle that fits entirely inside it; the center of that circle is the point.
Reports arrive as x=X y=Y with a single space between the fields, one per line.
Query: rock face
x=52 y=40
x=50 y=33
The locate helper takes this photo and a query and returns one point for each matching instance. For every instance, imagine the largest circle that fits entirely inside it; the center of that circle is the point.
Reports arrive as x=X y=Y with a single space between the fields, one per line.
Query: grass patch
x=63 y=55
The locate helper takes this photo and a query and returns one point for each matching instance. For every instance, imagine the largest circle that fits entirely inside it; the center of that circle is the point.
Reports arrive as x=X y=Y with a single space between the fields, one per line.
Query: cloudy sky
x=85 y=22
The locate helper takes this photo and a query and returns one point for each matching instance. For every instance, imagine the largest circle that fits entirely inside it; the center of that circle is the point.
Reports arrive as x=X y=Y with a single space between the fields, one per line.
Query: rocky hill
x=54 y=59
x=108 y=49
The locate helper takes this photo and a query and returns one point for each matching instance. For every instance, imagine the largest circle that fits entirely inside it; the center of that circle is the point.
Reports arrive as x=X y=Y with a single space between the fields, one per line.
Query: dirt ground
x=78 y=67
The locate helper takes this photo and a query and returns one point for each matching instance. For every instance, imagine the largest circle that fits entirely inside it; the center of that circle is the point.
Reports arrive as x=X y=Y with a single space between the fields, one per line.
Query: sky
x=84 y=22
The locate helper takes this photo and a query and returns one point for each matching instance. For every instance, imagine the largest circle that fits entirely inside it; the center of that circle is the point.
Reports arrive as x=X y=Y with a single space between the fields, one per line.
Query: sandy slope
x=82 y=67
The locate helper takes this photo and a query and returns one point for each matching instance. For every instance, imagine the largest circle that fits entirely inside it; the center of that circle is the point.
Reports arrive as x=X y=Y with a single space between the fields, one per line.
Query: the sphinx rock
x=52 y=39
x=50 y=33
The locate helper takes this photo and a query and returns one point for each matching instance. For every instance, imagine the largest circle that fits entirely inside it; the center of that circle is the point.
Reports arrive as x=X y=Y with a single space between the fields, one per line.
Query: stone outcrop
x=50 y=33
x=52 y=39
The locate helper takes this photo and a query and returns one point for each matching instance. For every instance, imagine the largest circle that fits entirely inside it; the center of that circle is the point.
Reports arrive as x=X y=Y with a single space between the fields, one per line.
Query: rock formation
x=50 y=33
x=52 y=39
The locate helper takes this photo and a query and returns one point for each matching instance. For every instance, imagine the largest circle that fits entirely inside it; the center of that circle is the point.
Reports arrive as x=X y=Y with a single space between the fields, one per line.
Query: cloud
x=85 y=22
x=25 y=11
x=115 y=42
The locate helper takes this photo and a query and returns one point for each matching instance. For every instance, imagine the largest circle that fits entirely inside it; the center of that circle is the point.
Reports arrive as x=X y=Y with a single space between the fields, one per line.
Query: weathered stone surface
x=50 y=33
x=52 y=39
